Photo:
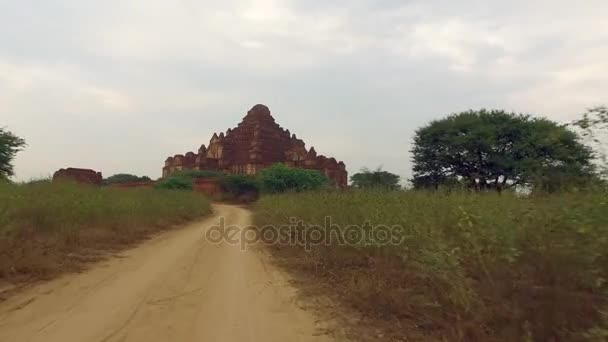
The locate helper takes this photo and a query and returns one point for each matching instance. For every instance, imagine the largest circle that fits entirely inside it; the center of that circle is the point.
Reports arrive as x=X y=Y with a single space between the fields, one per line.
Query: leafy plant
x=184 y=180
x=281 y=178
x=240 y=185
x=175 y=183
x=123 y=178
x=376 y=179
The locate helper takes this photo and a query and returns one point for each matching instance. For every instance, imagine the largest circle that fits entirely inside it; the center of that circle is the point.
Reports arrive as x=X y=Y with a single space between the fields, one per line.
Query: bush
x=184 y=180
x=281 y=178
x=123 y=178
x=240 y=186
x=175 y=183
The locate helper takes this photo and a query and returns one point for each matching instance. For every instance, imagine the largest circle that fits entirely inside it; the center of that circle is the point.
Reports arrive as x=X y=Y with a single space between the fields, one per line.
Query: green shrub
x=175 y=183
x=123 y=178
x=281 y=178
x=240 y=185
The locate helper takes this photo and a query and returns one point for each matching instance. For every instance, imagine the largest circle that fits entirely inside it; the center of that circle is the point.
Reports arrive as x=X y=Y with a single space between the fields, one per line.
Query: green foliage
x=175 y=183
x=471 y=267
x=123 y=178
x=240 y=185
x=10 y=144
x=496 y=150
x=184 y=180
x=376 y=179
x=281 y=178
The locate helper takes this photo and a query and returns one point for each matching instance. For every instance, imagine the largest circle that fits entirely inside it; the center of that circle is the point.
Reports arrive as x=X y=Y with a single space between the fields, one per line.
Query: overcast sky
x=119 y=85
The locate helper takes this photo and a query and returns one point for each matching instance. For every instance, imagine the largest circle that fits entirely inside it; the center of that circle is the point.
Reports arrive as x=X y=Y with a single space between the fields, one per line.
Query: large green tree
x=494 y=149
x=10 y=144
x=376 y=179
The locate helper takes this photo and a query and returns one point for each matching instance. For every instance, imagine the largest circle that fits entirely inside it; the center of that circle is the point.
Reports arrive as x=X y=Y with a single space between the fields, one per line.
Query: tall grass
x=472 y=267
x=48 y=227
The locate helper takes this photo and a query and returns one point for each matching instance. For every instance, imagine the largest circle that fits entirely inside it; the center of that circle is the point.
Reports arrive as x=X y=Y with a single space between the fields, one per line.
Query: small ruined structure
x=256 y=143
x=86 y=176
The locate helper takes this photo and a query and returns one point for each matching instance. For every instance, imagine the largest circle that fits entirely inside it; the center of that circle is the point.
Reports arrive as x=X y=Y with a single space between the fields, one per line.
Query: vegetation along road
x=175 y=287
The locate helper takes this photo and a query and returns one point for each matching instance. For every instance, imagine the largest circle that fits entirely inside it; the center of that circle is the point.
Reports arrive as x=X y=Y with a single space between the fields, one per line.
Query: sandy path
x=176 y=287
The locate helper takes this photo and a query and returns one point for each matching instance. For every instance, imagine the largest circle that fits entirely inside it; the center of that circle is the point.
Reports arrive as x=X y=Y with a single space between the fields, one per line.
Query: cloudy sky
x=118 y=85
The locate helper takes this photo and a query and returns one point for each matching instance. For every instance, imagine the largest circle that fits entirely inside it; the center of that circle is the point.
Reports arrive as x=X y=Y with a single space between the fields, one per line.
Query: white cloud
x=454 y=39
x=30 y=89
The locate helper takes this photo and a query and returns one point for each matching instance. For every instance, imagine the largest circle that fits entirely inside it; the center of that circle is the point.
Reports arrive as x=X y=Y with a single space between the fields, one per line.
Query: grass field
x=48 y=228
x=470 y=267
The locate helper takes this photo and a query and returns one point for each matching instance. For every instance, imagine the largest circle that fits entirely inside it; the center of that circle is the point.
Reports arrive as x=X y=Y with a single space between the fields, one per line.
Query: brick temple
x=256 y=143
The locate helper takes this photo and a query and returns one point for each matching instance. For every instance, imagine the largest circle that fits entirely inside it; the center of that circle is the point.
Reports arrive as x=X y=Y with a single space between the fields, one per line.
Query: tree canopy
x=281 y=178
x=494 y=149
x=123 y=178
x=10 y=144
x=376 y=179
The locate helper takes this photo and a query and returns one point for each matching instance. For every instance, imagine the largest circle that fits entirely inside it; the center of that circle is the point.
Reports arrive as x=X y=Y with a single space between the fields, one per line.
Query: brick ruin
x=79 y=175
x=256 y=143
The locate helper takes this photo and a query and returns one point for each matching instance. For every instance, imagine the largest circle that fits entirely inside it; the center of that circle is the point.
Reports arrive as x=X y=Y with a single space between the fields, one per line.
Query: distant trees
x=493 y=149
x=10 y=144
x=123 y=178
x=376 y=179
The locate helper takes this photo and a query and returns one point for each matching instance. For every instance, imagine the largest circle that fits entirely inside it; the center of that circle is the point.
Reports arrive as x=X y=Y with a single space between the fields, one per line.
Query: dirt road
x=176 y=287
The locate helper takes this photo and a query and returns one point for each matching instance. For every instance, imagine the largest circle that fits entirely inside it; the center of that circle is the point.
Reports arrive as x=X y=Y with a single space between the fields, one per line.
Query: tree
x=376 y=179
x=281 y=178
x=10 y=144
x=496 y=150
x=123 y=178
x=242 y=187
x=175 y=183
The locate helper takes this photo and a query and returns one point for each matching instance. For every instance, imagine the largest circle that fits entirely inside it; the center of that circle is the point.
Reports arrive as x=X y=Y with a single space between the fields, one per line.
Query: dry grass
x=473 y=267
x=49 y=228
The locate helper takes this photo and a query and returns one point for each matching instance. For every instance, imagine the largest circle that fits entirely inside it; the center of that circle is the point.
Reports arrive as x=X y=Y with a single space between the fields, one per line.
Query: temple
x=256 y=143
